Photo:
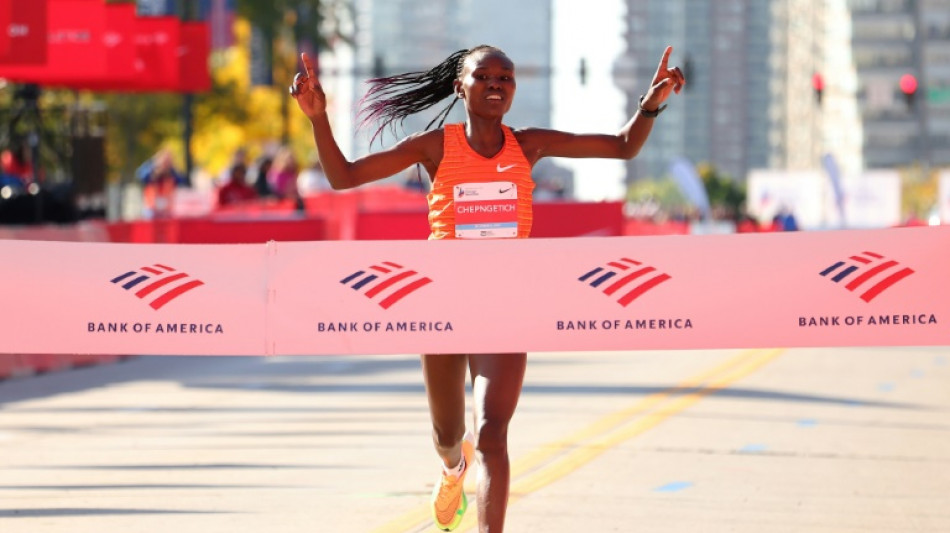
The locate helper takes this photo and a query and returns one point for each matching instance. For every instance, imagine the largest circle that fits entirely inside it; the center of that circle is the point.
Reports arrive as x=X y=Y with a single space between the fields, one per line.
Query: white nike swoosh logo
x=500 y=168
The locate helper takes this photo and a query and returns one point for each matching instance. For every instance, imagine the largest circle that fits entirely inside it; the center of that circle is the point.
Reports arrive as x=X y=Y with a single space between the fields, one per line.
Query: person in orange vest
x=480 y=172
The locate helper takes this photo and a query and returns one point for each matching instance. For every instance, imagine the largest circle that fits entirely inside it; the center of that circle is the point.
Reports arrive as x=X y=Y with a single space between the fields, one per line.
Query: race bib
x=486 y=210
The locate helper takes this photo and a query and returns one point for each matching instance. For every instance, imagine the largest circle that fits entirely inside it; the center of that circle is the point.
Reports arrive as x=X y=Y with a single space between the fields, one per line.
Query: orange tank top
x=474 y=197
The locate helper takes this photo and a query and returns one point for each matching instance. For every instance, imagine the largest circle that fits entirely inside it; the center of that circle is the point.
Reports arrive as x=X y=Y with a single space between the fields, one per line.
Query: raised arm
x=626 y=144
x=340 y=172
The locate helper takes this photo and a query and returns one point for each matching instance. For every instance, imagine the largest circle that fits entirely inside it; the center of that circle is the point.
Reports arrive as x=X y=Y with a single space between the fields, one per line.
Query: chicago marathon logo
x=386 y=283
x=624 y=280
x=867 y=274
x=157 y=284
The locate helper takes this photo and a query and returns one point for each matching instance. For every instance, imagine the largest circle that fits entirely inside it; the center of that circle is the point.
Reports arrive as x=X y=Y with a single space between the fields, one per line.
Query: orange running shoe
x=448 y=499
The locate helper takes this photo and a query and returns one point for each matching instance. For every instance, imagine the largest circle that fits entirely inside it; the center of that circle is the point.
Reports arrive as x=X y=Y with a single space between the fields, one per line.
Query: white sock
x=457 y=470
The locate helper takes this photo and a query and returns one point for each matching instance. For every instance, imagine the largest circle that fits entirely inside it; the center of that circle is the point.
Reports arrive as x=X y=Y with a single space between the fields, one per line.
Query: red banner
x=23 y=28
x=92 y=45
x=195 y=48
x=76 y=45
x=154 y=43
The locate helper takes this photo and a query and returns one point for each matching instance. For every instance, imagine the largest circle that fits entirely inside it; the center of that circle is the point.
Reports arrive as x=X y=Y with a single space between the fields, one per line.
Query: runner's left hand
x=665 y=81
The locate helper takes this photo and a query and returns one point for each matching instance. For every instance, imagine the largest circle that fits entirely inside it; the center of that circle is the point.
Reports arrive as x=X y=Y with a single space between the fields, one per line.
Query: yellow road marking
x=556 y=460
x=631 y=428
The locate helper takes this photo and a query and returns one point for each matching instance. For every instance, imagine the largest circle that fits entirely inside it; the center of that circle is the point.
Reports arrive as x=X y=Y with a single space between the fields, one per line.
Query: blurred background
x=169 y=120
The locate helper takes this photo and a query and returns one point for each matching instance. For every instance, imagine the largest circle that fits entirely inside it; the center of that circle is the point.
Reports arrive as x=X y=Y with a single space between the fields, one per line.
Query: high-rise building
x=395 y=36
x=725 y=47
x=902 y=53
x=752 y=67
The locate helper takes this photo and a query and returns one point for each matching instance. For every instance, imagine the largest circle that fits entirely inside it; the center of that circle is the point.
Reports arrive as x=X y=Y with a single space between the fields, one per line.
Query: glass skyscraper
x=394 y=36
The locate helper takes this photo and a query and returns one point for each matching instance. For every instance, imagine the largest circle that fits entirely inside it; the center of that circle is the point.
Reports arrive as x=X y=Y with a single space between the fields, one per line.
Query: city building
x=901 y=51
x=394 y=36
x=780 y=83
x=733 y=61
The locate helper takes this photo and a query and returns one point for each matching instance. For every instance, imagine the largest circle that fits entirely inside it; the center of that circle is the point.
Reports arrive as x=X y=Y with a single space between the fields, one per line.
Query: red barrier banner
x=23 y=28
x=791 y=289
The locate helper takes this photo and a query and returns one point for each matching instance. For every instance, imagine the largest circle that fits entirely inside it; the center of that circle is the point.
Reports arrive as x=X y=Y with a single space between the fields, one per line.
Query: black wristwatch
x=648 y=114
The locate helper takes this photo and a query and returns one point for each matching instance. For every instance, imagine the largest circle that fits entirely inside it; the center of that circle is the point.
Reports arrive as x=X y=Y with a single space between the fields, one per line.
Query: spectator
x=785 y=220
x=159 y=179
x=239 y=157
x=312 y=179
x=236 y=190
x=282 y=176
x=15 y=164
x=261 y=168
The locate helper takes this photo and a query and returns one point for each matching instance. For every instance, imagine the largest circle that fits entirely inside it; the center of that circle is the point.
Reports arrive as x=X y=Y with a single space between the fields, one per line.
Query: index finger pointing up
x=664 y=61
x=308 y=65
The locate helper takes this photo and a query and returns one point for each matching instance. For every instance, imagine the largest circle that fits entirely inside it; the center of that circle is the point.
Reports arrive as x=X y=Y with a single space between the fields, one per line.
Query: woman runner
x=472 y=156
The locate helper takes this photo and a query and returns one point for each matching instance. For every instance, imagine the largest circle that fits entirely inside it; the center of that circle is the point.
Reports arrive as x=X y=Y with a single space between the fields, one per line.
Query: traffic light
x=818 y=83
x=908 y=86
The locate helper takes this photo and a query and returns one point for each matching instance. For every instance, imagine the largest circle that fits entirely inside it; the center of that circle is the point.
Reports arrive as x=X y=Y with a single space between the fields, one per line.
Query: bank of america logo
x=386 y=283
x=625 y=280
x=869 y=274
x=157 y=284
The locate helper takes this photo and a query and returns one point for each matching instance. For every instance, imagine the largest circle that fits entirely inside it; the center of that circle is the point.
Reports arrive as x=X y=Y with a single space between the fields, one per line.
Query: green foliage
x=232 y=114
x=918 y=191
x=303 y=17
x=727 y=196
x=138 y=125
x=664 y=193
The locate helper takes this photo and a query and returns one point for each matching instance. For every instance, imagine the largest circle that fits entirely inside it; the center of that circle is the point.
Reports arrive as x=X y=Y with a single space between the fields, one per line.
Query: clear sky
x=592 y=29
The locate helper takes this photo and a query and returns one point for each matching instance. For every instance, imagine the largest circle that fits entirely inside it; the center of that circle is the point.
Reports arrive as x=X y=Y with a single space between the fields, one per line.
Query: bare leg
x=445 y=387
x=496 y=383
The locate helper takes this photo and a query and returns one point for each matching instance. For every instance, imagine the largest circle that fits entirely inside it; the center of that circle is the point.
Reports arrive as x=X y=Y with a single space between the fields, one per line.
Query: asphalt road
x=817 y=440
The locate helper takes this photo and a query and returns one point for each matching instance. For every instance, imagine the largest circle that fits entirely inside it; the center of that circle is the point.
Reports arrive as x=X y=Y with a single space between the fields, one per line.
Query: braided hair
x=391 y=99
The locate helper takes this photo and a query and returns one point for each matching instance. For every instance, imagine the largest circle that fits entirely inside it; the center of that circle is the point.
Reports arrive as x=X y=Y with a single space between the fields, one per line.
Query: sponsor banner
x=105 y=47
x=844 y=288
x=943 y=194
x=802 y=192
x=194 y=73
x=870 y=200
x=166 y=55
x=133 y=299
x=157 y=41
x=793 y=289
x=89 y=42
x=23 y=32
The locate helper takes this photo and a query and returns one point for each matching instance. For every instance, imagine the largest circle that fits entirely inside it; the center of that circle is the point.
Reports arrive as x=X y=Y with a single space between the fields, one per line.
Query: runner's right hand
x=307 y=91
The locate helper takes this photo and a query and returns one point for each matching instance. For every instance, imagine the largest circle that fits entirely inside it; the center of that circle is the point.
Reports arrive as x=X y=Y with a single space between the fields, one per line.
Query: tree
x=286 y=27
x=727 y=196
x=233 y=114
